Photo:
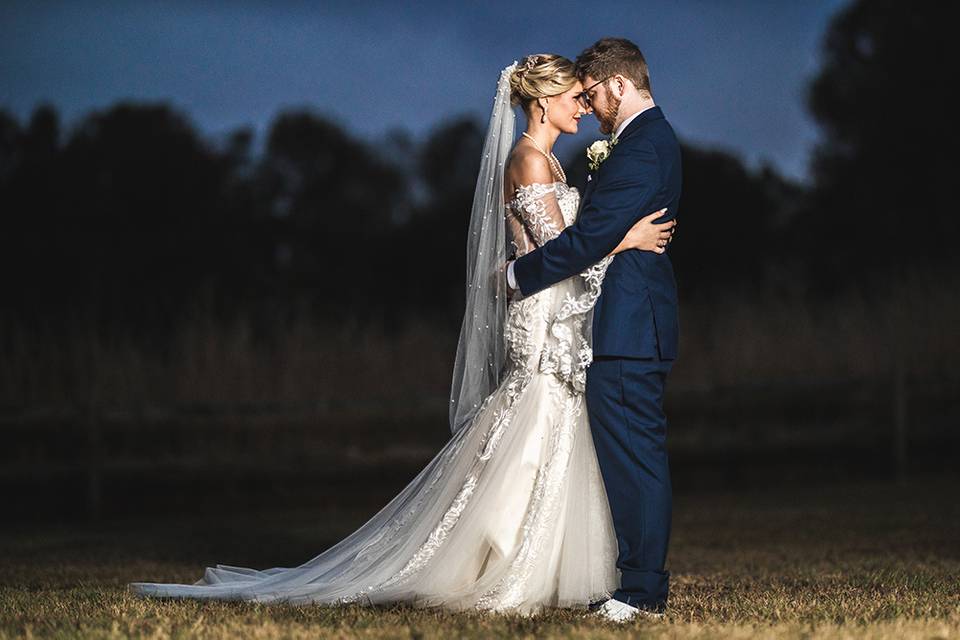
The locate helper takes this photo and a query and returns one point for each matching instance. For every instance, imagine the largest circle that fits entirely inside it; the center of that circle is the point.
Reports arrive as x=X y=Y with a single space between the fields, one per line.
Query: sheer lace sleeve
x=535 y=207
x=520 y=240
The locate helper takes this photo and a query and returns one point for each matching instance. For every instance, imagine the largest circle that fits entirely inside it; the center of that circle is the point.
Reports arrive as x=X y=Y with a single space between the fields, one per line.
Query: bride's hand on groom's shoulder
x=648 y=235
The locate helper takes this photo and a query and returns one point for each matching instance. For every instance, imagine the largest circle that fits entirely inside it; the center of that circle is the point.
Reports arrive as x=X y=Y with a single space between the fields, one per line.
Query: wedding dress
x=511 y=515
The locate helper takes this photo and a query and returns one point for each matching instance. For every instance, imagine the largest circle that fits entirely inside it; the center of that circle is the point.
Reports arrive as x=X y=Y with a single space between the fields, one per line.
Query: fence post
x=900 y=419
x=94 y=463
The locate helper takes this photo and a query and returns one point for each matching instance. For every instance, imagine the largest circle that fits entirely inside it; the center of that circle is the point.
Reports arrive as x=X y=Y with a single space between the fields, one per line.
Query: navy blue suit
x=635 y=335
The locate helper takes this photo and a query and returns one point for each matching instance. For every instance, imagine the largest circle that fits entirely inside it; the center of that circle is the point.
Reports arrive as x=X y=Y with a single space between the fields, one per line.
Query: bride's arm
x=536 y=197
x=648 y=235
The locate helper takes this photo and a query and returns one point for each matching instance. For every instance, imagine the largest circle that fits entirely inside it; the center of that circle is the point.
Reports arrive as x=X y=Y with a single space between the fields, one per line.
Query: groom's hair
x=610 y=56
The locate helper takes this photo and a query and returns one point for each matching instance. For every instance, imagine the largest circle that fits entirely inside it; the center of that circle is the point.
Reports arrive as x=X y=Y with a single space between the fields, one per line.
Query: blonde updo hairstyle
x=539 y=76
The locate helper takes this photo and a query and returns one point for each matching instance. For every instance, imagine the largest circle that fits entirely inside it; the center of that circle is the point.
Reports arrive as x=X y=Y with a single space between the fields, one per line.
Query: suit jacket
x=636 y=315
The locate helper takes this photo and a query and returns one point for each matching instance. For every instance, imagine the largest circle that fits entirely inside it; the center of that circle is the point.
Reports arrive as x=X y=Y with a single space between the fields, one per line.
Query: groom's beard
x=608 y=115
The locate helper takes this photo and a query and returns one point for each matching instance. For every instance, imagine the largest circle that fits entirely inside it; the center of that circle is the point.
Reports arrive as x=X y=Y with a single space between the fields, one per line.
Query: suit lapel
x=653 y=113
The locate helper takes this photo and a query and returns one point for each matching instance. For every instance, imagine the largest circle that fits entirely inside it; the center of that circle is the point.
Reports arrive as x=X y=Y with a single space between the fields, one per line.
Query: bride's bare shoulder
x=527 y=166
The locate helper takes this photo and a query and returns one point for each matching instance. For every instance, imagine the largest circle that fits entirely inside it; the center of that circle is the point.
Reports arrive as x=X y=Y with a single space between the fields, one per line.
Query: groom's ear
x=624 y=85
x=620 y=85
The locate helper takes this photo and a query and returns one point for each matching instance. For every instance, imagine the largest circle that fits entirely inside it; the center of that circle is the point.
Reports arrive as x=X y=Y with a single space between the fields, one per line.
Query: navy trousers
x=625 y=404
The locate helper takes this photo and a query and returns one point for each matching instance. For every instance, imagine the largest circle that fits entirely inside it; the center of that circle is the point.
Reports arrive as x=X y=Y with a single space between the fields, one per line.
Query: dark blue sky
x=727 y=74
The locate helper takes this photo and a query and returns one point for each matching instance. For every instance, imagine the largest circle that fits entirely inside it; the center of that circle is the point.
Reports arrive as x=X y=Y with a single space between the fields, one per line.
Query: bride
x=511 y=514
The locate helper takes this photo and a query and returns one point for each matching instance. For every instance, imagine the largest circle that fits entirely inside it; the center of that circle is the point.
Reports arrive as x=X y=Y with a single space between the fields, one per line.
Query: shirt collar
x=623 y=125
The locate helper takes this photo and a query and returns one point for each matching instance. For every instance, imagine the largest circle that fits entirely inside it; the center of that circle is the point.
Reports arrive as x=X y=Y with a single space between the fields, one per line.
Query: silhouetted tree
x=428 y=253
x=731 y=220
x=128 y=211
x=30 y=173
x=137 y=216
x=335 y=199
x=884 y=195
x=9 y=143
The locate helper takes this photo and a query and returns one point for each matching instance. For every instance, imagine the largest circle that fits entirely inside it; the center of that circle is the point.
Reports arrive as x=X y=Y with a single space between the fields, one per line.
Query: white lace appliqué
x=529 y=204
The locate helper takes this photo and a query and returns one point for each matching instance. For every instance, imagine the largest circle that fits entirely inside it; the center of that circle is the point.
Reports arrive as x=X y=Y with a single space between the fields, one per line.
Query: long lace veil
x=481 y=351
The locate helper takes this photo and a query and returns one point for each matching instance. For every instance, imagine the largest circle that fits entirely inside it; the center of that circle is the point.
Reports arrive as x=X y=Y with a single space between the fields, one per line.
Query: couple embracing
x=554 y=489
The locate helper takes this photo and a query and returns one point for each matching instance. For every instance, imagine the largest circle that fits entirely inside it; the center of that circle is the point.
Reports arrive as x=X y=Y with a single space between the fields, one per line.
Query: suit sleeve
x=625 y=192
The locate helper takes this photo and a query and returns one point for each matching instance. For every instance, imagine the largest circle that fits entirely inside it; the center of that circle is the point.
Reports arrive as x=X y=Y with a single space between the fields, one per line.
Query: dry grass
x=323 y=365
x=846 y=561
x=855 y=561
x=729 y=338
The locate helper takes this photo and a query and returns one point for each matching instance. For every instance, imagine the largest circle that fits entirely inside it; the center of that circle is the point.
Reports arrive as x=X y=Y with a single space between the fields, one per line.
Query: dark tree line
x=884 y=173
x=133 y=214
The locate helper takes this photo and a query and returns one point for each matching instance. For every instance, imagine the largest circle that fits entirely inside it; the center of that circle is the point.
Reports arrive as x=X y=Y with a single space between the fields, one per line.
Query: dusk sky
x=727 y=74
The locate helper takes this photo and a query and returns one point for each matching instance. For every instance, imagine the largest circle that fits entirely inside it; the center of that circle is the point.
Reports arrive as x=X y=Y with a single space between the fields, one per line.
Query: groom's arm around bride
x=628 y=189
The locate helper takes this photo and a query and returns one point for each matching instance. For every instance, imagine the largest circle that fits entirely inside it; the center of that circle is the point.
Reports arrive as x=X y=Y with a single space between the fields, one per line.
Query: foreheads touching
x=613 y=71
x=612 y=57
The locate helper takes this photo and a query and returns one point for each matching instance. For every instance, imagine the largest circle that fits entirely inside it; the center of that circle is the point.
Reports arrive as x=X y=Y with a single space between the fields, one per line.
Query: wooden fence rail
x=893 y=392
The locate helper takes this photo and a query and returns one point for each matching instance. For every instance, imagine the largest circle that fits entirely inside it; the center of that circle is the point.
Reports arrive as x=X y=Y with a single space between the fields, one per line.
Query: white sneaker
x=614 y=610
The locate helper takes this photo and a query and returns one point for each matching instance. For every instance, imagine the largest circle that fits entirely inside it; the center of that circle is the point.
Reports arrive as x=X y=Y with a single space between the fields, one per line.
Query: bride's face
x=564 y=111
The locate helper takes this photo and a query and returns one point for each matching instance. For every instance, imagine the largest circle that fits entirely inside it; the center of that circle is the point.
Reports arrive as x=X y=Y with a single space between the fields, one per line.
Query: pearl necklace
x=551 y=159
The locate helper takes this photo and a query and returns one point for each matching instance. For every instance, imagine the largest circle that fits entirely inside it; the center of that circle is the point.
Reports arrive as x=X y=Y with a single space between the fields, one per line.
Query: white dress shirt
x=511 y=279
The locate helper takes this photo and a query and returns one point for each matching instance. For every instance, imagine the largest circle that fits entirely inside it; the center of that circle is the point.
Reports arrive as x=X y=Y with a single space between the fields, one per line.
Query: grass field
x=859 y=560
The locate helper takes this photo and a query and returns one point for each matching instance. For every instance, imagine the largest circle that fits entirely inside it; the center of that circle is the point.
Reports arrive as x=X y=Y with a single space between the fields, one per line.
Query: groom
x=635 y=323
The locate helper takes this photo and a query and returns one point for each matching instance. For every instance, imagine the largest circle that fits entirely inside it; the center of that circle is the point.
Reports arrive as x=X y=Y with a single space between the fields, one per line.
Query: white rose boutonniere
x=599 y=151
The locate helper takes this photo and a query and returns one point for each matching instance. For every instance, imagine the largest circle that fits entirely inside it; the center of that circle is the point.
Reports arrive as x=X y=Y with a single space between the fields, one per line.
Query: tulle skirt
x=511 y=515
